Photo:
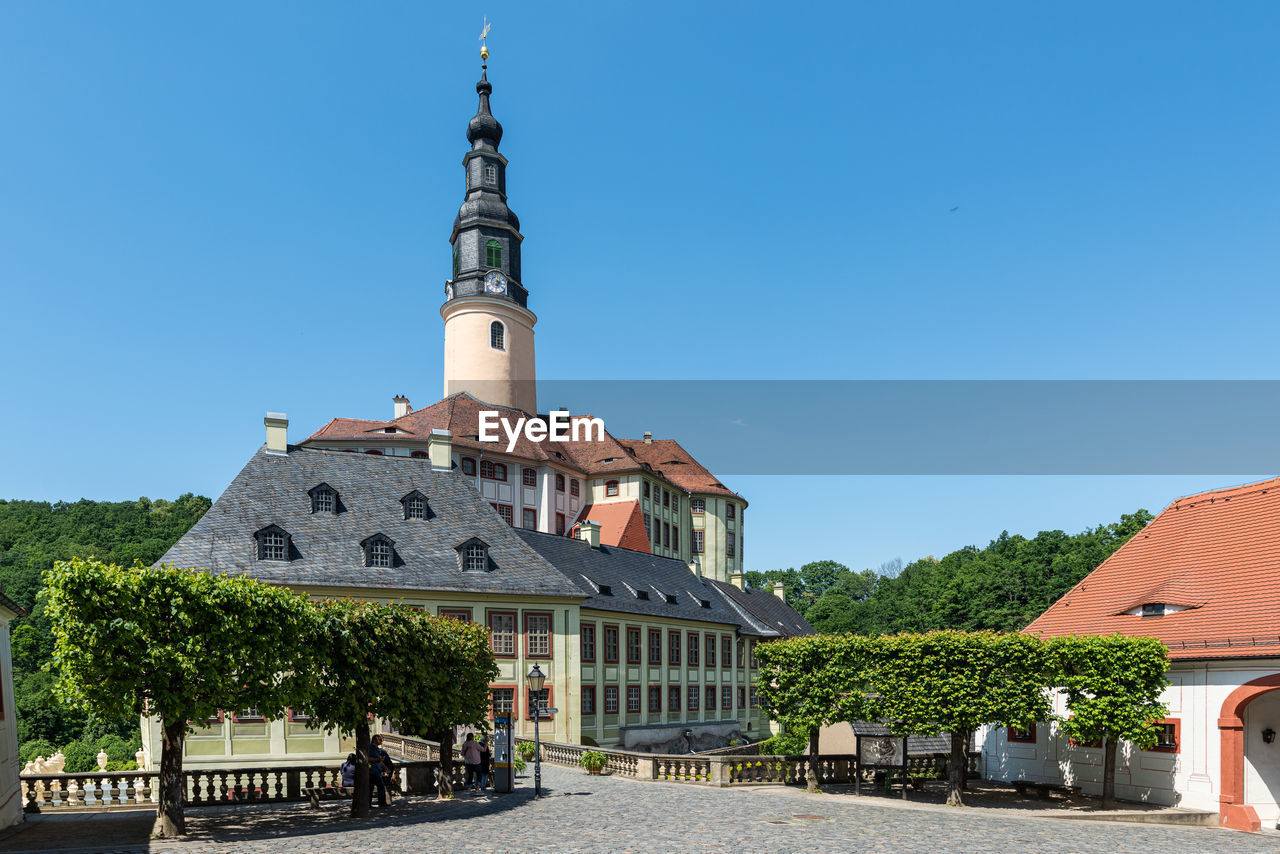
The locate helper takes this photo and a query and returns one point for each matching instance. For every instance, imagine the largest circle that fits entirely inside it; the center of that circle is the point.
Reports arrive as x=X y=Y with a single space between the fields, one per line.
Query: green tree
x=423 y=673
x=179 y=644
x=955 y=682
x=1113 y=686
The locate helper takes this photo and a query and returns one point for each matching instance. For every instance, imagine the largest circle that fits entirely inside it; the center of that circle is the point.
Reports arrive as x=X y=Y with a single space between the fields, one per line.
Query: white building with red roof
x=1204 y=578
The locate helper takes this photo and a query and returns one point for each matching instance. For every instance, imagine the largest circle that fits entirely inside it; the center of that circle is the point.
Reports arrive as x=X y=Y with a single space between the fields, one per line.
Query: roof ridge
x=1239 y=490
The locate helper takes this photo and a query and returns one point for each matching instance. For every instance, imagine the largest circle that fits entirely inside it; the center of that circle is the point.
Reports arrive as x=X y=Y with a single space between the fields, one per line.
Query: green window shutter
x=455 y=263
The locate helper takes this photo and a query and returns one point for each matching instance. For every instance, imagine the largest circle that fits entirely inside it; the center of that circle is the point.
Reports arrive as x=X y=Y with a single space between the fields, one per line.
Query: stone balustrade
x=204 y=787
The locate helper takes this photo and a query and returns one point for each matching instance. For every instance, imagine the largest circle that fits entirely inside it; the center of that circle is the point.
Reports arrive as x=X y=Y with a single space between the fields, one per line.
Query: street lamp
x=536 y=680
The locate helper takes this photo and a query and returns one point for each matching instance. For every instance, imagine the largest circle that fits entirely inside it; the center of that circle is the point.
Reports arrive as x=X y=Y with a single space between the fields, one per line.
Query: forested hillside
x=1003 y=586
x=34 y=534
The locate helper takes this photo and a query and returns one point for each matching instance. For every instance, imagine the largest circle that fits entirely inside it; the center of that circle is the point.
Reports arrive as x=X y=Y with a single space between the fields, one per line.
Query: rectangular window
x=730 y=510
x=1167 y=735
x=633 y=645
x=610 y=488
x=726 y=651
x=673 y=698
x=530 y=518
x=751 y=655
x=666 y=535
x=673 y=649
x=560 y=524
x=675 y=504
x=644 y=489
x=655 y=699
x=675 y=538
x=711 y=651
x=742 y=697
x=693 y=698
x=648 y=532
x=587 y=633
x=657 y=533
x=726 y=698
x=502 y=633
x=610 y=644
x=633 y=699
x=611 y=699
x=711 y=699
x=753 y=697
x=694 y=644
x=462 y=615
x=529 y=477
x=559 y=482
x=469 y=466
x=697 y=506
x=666 y=498
x=574 y=487
x=588 y=699
x=539 y=700
x=504 y=510
x=537 y=635
x=742 y=652
x=1024 y=736
x=730 y=546
x=655 y=647
x=504 y=700
x=697 y=541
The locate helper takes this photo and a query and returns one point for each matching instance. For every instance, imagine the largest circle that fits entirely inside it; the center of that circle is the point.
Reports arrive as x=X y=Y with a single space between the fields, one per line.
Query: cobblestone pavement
x=583 y=813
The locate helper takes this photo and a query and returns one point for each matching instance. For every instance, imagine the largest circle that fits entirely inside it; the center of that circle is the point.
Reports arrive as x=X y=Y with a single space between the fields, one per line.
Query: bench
x=1043 y=790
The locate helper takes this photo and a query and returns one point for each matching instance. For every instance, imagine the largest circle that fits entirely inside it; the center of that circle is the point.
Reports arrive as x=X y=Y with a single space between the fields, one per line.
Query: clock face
x=495 y=283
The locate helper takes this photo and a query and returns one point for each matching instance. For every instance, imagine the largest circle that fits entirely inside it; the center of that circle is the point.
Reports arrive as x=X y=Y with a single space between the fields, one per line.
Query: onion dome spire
x=484 y=131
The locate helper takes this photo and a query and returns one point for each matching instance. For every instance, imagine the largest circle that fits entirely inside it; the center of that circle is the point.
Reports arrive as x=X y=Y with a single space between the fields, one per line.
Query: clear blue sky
x=210 y=212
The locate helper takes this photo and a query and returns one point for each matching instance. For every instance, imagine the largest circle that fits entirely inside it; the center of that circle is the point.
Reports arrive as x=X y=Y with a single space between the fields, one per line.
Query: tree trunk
x=360 y=801
x=170 y=820
x=811 y=779
x=958 y=767
x=444 y=788
x=1109 y=774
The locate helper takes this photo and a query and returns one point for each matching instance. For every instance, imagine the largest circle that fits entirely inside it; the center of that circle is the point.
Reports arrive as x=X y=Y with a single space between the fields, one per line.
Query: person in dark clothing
x=485 y=756
x=379 y=764
x=348 y=771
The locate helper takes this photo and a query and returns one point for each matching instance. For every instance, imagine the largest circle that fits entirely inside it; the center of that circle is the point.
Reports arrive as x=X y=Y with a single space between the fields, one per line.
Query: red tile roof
x=1216 y=553
x=460 y=415
x=621 y=524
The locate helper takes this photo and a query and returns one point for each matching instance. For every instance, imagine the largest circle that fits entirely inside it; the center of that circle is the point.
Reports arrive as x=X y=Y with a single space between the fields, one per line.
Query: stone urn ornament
x=103 y=759
x=141 y=758
x=55 y=763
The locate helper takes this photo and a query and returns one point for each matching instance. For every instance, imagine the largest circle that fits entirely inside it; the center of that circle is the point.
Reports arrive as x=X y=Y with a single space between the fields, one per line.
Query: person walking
x=471 y=756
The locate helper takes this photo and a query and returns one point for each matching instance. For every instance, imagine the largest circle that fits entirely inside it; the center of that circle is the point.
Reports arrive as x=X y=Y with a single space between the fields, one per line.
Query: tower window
x=493 y=254
x=455 y=262
x=491 y=175
x=497 y=336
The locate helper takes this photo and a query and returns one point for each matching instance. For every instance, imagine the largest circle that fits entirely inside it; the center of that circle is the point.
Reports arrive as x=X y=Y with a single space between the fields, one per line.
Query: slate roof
x=1216 y=553
x=764 y=611
x=272 y=490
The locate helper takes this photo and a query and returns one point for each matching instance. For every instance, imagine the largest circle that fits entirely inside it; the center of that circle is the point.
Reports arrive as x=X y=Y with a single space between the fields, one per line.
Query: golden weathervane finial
x=484 y=48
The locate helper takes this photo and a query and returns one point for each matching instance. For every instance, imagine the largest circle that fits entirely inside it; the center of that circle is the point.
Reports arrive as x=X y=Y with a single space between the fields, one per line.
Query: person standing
x=485 y=756
x=379 y=763
x=471 y=756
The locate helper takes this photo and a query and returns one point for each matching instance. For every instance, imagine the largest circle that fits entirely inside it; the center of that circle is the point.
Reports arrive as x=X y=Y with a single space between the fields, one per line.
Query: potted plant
x=593 y=760
x=526 y=749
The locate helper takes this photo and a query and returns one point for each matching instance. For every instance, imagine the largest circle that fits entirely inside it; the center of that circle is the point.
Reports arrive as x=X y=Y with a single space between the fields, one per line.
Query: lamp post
x=536 y=680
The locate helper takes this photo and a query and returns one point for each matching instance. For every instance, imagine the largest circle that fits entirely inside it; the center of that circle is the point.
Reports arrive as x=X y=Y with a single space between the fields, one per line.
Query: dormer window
x=491 y=175
x=1153 y=609
x=273 y=543
x=324 y=498
x=473 y=555
x=379 y=551
x=415 y=505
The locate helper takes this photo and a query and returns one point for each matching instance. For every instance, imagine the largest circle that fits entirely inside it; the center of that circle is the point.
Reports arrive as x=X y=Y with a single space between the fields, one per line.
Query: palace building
x=614 y=564
x=1203 y=578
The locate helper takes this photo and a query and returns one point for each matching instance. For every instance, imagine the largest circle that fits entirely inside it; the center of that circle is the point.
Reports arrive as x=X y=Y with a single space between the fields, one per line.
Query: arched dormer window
x=415 y=505
x=492 y=253
x=497 y=336
x=324 y=498
x=273 y=543
x=379 y=551
x=473 y=555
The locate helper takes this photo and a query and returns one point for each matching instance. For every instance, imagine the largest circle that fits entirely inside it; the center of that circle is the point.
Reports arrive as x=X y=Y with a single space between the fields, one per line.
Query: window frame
x=655 y=693
x=673 y=647
x=655 y=661
x=610 y=489
x=462 y=614
x=529 y=477
x=1016 y=735
x=639 y=703
x=726 y=645
x=698 y=506
x=515 y=699
x=730 y=544
x=526 y=515
x=587 y=691
x=730 y=511
x=709 y=699
x=617 y=646
x=699 y=541
x=583 y=628
x=693 y=642
x=605 y=706
x=498 y=336
x=468 y=466
x=260 y=547
x=506 y=512
x=692 y=697
x=560 y=524
x=675 y=699
x=551 y=632
x=559 y=482
x=550 y=691
x=712 y=646
x=489 y=614
x=634 y=634
x=372 y=542
x=1176 y=725
x=575 y=487
x=726 y=698
x=742 y=697
x=493 y=253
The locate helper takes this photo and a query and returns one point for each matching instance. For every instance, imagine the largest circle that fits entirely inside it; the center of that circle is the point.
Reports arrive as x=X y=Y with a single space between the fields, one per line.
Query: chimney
x=736 y=579
x=440 y=449
x=277 y=432
x=648 y=437
x=589 y=532
x=780 y=590
x=402 y=405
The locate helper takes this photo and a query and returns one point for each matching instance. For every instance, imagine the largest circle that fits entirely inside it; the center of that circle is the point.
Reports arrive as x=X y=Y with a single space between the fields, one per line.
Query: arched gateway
x=1235 y=811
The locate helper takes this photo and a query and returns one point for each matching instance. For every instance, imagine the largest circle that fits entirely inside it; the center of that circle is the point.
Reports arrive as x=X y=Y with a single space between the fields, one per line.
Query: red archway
x=1232 y=810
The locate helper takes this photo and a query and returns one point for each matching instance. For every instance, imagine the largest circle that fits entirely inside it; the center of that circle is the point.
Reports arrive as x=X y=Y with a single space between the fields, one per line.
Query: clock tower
x=488 y=328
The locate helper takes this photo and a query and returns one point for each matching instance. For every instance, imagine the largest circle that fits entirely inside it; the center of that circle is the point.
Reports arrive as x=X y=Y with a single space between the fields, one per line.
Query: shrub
x=118 y=750
x=518 y=763
x=127 y=765
x=786 y=744
x=526 y=749
x=81 y=757
x=33 y=748
x=593 y=760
